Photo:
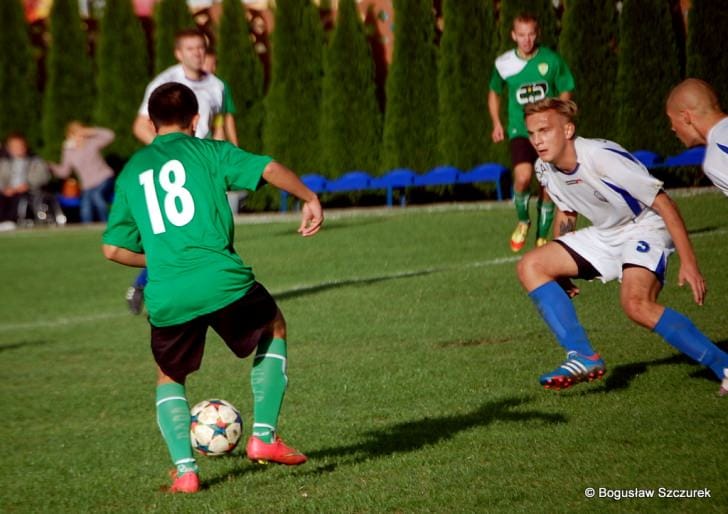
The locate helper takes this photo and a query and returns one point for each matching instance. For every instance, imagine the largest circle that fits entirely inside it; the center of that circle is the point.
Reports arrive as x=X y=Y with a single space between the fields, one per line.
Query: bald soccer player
x=697 y=119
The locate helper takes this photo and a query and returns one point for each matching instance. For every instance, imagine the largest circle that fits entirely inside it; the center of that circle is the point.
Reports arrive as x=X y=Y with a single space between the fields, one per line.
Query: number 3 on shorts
x=172 y=179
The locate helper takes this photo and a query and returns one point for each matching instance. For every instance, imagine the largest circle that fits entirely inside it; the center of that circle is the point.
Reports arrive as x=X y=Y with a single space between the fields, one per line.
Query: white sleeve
x=625 y=174
x=154 y=84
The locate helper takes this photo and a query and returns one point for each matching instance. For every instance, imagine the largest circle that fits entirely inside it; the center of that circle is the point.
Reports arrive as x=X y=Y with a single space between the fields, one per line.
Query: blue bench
x=401 y=179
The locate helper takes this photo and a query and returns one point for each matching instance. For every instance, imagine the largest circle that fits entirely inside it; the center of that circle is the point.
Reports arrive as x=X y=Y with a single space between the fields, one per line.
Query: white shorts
x=647 y=245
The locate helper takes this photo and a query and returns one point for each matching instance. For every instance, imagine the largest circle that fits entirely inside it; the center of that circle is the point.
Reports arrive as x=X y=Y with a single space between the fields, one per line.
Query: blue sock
x=557 y=310
x=141 y=279
x=681 y=333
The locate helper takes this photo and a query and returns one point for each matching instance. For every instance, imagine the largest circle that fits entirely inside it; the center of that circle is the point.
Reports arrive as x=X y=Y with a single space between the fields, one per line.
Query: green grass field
x=413 y=365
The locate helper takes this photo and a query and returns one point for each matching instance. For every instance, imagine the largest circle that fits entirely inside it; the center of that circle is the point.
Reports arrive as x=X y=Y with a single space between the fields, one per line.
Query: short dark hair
x=525 y=17
x=189 y=33
x=16 y=135
x=172 y=103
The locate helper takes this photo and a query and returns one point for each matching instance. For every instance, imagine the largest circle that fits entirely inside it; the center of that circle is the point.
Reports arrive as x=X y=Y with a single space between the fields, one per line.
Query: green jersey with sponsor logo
x=170 y=204
x=545 y=74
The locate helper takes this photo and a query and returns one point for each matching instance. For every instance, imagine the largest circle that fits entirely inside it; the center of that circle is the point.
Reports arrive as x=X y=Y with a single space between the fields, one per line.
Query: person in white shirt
x=190 y=48
x=697 y=119
x=634 y=228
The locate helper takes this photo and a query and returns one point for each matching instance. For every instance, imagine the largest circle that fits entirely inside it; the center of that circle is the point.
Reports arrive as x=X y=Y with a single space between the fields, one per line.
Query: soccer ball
x=215 y=427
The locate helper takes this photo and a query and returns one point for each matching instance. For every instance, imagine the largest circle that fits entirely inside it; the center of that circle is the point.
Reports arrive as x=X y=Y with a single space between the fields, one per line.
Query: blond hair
x=566 y=108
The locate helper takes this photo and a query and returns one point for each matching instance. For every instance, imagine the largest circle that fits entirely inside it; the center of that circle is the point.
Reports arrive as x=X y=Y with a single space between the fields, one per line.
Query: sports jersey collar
x=567 y=172
x=169 y=137
x=533 y=55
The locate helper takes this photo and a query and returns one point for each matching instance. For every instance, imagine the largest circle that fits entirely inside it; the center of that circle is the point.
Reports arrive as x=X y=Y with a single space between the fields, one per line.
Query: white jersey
x=715 y=164
x=609 y=186
x=209 y=91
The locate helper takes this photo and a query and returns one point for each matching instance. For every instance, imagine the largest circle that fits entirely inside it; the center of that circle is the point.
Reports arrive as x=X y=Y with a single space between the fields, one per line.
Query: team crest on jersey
x=600 y=197
x=543 y=68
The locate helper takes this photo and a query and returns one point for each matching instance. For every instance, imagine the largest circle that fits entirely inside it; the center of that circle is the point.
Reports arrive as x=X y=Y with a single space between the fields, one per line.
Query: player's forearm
x=231 y=131
x=564 y=222
x=670 y=214
x=124 y=256
x=281 y=177
x=494 y=107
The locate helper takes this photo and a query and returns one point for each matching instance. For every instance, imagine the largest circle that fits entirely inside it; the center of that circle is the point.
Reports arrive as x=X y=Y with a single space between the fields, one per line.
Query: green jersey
x=170 y=204
x=545 y=74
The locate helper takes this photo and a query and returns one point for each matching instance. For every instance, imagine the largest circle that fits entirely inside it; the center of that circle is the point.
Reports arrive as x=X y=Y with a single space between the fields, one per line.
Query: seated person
x=21 y=173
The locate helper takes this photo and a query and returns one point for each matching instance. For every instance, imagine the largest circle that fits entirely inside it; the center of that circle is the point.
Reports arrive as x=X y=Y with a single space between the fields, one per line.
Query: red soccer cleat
x=261 y=452
x=187 y=483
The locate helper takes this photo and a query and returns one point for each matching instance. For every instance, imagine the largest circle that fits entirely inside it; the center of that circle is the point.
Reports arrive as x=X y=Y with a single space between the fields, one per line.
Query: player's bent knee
x=278 y=326
x=638 y=310
x=530 y=269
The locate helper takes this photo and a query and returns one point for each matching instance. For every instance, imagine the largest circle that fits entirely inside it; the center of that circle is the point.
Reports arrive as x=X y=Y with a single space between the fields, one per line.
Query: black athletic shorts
x=522 y=151
x=586 y=269
x=241 y=324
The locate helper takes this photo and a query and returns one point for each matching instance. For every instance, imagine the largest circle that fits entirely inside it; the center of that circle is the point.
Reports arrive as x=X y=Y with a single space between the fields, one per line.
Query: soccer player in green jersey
x=530 y=72
x=170 y=213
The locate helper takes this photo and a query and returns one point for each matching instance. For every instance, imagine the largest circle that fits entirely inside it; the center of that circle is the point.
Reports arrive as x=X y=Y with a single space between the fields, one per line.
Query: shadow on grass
x=704 y=230
x=22 y=344
x=244 y=467
x=289 y=231
x=335 y=284
x=413 y=435
x=621 y=376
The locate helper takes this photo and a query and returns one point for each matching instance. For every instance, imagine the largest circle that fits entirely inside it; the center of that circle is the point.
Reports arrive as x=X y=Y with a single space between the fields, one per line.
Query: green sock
x=520 y=199
x=269 y=380
x=545 y=218
x=173 y=417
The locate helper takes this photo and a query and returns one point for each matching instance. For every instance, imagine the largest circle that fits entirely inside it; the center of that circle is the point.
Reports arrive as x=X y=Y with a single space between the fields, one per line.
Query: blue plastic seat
x=316 y=183
x=486 y=172
x=399 y=178
x=352 y=181
x=647 y=157
x=68 y=202
x=690 y=157
x=438 y=176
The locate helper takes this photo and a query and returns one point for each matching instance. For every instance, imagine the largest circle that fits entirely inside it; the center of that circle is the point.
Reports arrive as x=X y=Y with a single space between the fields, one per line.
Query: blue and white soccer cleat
x=723 y=391
x=576 y=368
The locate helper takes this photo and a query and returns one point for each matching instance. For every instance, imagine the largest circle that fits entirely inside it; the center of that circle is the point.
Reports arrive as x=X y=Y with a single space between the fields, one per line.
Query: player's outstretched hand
x=691 y=274
x=312 y=217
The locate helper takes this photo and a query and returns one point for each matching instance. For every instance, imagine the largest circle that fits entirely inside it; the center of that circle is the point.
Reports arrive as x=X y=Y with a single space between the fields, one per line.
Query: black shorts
x=586 y=270
x=241 y=324
x=522 y=151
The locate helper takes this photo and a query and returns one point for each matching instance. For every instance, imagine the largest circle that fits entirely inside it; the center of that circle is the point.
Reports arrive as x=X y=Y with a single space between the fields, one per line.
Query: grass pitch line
x=301 y=289
x=62 y=321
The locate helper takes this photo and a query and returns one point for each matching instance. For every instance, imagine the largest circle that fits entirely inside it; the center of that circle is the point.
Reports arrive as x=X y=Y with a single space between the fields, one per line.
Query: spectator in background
x=82 y=154
x=21 y=173
x=224 y=122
